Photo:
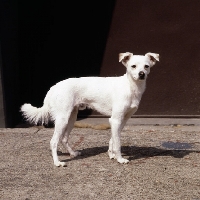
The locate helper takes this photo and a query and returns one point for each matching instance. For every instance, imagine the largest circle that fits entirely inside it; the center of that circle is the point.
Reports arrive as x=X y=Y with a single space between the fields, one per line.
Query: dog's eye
x=146 y=66
x=133 y=66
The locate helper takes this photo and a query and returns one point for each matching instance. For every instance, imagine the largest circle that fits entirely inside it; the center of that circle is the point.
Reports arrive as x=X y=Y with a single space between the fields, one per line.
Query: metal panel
x=172 y=29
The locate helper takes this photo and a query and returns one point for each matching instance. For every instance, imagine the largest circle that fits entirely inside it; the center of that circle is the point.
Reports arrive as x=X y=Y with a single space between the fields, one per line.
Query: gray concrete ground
x=164 y=162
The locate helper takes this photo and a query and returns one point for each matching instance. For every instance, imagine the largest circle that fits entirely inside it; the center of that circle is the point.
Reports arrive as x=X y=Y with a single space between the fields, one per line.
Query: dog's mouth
x=139 y=78
x=142 y=78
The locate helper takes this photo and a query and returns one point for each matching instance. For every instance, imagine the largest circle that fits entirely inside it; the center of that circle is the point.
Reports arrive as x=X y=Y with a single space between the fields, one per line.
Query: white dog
x=118 y=97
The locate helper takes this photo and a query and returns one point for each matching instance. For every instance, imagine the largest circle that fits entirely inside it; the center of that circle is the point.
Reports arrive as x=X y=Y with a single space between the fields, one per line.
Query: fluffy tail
x=35 y=115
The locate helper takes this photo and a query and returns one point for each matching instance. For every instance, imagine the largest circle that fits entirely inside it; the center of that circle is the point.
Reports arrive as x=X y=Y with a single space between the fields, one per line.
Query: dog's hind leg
x=65 y=138
x=61 y=123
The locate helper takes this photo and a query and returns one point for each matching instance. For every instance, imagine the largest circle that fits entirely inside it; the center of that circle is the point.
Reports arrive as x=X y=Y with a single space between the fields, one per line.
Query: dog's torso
x=99 y=93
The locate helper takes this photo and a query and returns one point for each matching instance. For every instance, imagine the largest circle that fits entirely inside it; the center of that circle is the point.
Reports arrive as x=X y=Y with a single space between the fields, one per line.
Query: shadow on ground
x=133 y=152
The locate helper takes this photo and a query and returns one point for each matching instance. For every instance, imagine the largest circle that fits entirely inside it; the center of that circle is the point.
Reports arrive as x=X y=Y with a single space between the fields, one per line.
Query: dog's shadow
x=133 y=152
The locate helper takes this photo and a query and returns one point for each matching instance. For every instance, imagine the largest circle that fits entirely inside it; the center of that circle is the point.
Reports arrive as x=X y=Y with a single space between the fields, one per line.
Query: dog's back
x=92 y=92
x=98 y=93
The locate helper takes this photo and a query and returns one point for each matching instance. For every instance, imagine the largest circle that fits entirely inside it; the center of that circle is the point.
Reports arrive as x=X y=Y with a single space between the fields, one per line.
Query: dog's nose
x=141 y=75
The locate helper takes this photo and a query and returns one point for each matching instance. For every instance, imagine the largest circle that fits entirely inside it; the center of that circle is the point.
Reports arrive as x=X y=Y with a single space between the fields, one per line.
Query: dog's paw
x=111 y=154
x=122 y=160
x=58 y=164
x=75 y=153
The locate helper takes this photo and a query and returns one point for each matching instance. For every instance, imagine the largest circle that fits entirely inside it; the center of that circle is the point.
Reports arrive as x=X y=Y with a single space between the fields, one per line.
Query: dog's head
x=138 y=66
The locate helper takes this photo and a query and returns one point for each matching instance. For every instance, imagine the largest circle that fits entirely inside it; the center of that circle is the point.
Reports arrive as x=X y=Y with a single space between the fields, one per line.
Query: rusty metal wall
x=172 y=29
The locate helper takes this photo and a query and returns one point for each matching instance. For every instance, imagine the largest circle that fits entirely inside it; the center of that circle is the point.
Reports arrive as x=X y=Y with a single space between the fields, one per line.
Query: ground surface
x=164 y=164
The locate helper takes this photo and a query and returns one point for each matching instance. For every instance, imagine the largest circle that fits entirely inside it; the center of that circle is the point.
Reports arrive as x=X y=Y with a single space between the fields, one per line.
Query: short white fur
x=117 y=97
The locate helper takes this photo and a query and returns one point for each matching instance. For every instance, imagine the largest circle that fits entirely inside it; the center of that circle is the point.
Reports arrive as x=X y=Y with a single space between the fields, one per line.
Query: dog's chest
x=135 y=97
x=134 y=103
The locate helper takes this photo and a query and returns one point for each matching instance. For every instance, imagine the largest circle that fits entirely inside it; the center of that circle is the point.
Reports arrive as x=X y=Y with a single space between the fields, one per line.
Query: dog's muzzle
x=141 y=75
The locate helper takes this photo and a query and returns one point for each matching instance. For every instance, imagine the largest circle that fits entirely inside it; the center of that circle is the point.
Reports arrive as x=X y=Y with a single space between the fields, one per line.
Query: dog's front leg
x=115 y=143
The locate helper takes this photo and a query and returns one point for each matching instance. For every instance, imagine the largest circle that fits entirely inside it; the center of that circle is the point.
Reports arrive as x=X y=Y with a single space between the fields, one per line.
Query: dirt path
x=164 y=164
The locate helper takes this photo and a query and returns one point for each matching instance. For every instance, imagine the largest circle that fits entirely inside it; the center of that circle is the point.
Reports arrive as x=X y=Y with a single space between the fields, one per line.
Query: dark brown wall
x=9 y=63
x=172 y=29
x=45 y=42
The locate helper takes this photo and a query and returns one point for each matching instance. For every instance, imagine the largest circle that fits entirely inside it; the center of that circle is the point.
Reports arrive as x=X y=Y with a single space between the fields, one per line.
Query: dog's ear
x=153 y=57
x=125 y=57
